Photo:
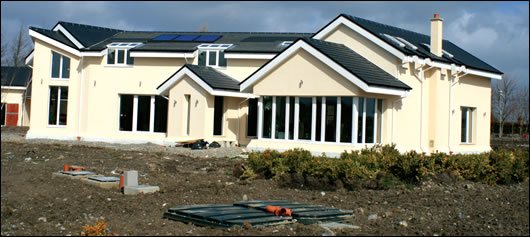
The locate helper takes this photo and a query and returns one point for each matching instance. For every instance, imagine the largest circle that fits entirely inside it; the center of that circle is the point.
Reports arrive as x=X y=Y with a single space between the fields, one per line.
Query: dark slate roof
x=15 y=76
x=211 y=76
x=461 y=57
x=56 y=35
x=244 y=42
x=356 y=64
x=86 y=34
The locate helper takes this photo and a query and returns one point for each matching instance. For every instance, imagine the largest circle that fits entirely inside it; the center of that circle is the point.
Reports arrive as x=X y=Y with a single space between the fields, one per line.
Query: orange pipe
x=65 y=168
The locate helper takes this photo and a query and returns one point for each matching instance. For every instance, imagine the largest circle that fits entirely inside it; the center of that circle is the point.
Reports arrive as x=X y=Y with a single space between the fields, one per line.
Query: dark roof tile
x=15 y=76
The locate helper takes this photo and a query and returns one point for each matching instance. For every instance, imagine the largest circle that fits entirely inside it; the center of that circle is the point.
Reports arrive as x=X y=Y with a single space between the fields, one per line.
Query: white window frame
x=116 y=46
x=210 y=47
x=355 y=118
x=469 y=125
x=135 y=115
x=56 y=125
x=60 y=78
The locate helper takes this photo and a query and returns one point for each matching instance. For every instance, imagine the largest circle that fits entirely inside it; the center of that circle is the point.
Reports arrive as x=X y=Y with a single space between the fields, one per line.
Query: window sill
x=316 y=142
x=118 y=65
x=144 y=132
x=59 y=79
x=463 y=143
x=56 y=126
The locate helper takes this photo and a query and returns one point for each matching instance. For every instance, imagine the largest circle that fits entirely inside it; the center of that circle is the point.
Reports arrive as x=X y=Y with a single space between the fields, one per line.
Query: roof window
x=216 y=46
x=407 y=43
x=286 y=43
x=123 y=45
x=395 y=40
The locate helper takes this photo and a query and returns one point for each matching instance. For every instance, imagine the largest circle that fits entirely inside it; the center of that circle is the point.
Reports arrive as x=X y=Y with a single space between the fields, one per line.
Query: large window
x=58 y=105
x=305 y=105
x=353 y=120
x=467 y=125
x=60 y=66
x=279 y=130
x=143 y=113
x=252 y=119
x=218 y=116
x=267 y=117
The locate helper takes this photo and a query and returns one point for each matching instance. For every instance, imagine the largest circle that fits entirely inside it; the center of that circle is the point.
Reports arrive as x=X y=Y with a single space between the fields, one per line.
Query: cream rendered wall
x=472 y=91
x=201 y=114
x=318 y=80
x=240 y=69
x=10 y=96
x=40 y=89
x=407 y=131
x=103 y=85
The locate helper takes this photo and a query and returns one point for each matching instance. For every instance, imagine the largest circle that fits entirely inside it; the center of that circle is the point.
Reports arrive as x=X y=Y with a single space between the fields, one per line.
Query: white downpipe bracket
x=80 y=101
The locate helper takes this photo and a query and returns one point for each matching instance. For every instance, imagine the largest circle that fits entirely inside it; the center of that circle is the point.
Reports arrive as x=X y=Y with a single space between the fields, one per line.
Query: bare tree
x=4 y=48
x=522 y=109
x=503 y=105
x=204 y=28
x=19 y=49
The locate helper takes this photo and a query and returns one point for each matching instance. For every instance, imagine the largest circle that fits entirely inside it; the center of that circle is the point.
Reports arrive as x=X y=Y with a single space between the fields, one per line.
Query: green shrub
x=500 y=166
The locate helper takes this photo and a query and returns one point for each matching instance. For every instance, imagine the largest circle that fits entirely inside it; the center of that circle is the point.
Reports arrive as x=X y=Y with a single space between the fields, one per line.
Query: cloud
x=471 y=37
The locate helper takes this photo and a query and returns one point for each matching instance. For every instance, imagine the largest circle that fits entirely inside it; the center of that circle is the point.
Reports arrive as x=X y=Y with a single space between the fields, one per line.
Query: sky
x=495 y=32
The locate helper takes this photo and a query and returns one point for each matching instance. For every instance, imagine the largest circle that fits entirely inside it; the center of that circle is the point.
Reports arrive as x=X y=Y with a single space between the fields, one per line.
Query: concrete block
x=130 y=178
x=103 y=184
x=134 y=190
x=59 y=174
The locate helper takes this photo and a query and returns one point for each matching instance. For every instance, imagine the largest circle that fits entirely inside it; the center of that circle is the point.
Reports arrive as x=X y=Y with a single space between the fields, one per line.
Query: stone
x=245 y=198
x=43 y=219
x=130 y=178
x=403 y=223
x=327 y=232
x=133 y=190
x=372 y=217
x=337 y=225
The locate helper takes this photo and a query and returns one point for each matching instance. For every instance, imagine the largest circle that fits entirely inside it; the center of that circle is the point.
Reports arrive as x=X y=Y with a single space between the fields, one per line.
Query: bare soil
x=35 y=203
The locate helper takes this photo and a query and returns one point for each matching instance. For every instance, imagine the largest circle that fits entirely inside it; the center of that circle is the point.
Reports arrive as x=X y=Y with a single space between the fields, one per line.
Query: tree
x=204 y=28
x=502 y=102
x=503 y=105
x=18 y=49
x=522 y=109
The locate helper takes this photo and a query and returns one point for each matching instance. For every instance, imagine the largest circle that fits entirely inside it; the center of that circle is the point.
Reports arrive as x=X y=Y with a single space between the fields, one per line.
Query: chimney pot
x=436 y=15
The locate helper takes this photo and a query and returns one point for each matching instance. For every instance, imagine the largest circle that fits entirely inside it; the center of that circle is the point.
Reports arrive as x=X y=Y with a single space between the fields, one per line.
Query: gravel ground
x=33 y=202
x=16 y=134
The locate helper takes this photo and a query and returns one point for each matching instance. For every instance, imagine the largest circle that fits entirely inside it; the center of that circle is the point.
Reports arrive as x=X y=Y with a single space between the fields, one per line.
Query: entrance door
x=12 y=115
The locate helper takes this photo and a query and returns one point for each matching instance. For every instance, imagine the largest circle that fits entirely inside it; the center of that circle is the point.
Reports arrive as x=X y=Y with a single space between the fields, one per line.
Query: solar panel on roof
x=185 y=38
x=207 y=38
x=165 y=37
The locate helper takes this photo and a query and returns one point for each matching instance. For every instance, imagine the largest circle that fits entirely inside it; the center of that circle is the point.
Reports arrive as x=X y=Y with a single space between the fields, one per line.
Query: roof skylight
x=443 y=50
x=395 y=40
x=407 y=43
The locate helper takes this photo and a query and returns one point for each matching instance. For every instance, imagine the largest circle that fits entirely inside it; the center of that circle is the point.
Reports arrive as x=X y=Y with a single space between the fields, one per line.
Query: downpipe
x=419 y=73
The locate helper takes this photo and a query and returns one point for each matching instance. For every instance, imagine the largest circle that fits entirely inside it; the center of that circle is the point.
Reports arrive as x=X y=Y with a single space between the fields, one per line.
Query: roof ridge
x=218 y=32
x=91 y=26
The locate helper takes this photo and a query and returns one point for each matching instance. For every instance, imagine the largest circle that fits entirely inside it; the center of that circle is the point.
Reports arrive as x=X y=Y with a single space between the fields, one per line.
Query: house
x=16 y=95
x=352 y=84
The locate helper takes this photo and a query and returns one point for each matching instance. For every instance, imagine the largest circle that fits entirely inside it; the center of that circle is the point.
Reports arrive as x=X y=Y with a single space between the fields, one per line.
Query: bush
x=496 y=167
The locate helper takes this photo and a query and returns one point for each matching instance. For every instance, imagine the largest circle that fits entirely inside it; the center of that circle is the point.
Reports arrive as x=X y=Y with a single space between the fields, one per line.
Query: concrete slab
x=59 y=174
x=134 y=190
x=104 y=184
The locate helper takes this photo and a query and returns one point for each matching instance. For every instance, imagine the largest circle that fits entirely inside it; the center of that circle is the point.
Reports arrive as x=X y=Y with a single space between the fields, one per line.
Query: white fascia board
x=485 y=74
x=185 y=71
x=54 y=43
x=161 y=55
x=361 y=31
x=388 y=91
x=470 y=71
x=94 y=54
x=68 y=35
x=249 y=56
x=29 y=58
x=14 y=87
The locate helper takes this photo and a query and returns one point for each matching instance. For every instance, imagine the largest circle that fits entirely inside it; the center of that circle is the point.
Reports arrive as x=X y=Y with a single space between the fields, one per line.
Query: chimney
x=436 y=35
